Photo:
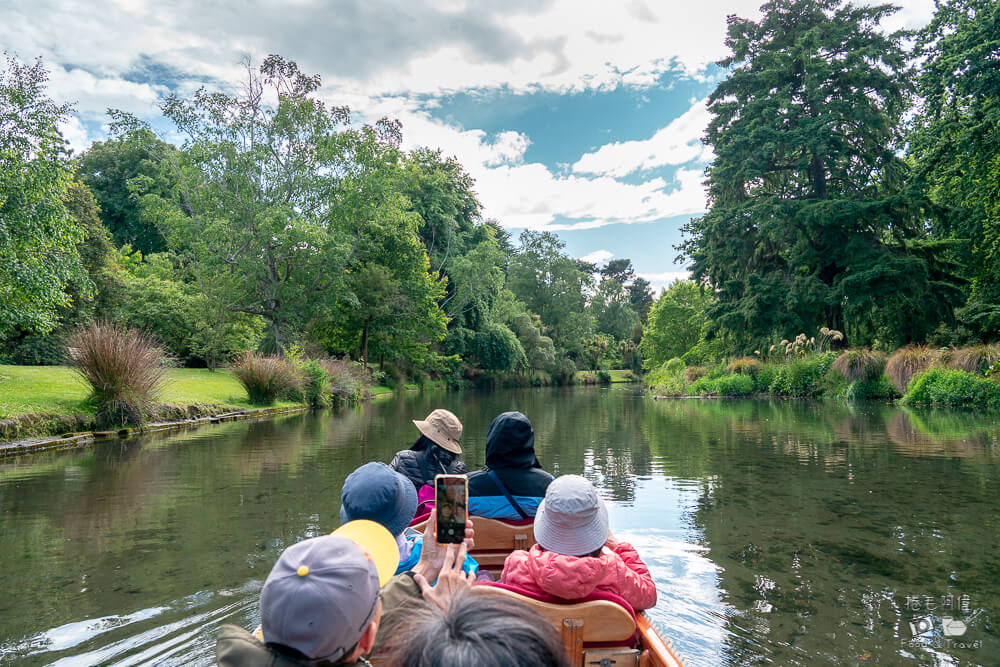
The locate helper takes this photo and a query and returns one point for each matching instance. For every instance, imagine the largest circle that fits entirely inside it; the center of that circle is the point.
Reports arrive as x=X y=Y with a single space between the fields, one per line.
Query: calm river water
x=788 y=533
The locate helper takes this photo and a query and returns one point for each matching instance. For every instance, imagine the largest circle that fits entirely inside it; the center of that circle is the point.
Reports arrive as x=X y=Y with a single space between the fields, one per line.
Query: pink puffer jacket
x=570 y=577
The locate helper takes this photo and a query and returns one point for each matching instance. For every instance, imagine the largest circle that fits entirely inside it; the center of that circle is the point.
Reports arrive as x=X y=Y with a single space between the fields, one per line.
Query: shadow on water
x=781 y=532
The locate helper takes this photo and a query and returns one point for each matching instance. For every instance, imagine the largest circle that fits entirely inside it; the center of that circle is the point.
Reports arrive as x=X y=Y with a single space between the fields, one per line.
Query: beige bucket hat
x=443 y=427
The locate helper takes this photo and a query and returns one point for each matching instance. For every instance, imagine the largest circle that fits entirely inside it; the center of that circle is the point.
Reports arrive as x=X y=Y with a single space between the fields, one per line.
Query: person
x=320 y=602
x=378 y=493
x=513 y=483
x=576 y=553
x=477 y=628
x=435 y=452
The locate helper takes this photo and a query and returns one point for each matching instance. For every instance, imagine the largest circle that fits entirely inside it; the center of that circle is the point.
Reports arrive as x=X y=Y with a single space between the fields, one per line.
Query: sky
x=577 y=117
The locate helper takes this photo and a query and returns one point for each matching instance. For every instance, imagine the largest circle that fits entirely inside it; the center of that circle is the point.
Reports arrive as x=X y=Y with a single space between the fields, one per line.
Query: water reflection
x=790 y=532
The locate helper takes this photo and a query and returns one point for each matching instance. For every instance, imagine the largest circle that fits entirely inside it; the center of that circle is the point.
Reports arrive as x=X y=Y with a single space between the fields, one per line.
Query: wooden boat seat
x=495 y=539
x=601 y=627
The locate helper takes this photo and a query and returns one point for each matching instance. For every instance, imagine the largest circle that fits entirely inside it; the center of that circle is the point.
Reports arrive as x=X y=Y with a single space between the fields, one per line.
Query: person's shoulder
x=237 y=646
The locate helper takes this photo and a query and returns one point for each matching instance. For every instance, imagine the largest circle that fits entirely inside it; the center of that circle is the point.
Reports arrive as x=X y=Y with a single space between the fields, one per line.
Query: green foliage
x=727 y=385
x=800 y=377
x=705 y=352
x=667 y=379
x=952 y=387
x=611 y=308
x=603 y=377
x=809 y=220
x=120 y=172
x=563 y=372
x=348 y=380
x=675 y=323
x=955 y=144
x=124 y=368
x=908 y=362
x=266 y=378
x=38 y=236
x=316 y=383
x=48 y=350
x=862 y=365
x=496 y=348
x=837 y=386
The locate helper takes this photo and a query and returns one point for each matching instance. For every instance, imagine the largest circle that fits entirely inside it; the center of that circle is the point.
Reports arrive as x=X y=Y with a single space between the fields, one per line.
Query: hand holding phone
x=451 y=493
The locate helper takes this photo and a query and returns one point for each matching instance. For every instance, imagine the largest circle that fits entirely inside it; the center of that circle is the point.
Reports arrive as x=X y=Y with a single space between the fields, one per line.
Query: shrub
x=124 y=368
x=909 y=361
x=727 y=385
x=953 y=387
x=315 y=383
x=603 y=377
x=692 y=373
x=673 y=366
x=667 y=379
x=564 y=372
x=765 y=376
x=802 y=376
x=744 y=366
x=266 y=378
x=976 y=358
x=40 y=351
x=861 y=365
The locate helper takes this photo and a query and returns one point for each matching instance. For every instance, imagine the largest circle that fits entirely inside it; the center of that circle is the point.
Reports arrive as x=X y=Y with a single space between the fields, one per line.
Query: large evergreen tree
x=809 y=224
x=956 y=144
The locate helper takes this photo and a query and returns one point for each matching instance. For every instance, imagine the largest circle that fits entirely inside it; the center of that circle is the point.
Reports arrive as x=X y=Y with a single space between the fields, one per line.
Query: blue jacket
x=510 y=453
x=417 y=541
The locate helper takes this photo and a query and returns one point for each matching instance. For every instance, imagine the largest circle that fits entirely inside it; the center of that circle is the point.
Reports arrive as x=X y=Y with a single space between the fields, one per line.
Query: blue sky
x=583 y=118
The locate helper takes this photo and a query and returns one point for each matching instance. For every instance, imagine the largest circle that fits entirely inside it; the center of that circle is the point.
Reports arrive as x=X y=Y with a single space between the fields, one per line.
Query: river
x=789 y=533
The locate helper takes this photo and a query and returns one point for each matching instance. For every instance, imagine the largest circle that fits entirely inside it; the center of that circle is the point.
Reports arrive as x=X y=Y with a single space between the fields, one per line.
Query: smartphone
x=451 y=493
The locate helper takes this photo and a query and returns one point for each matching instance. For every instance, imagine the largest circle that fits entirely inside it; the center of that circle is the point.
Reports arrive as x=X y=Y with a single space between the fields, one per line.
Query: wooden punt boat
x=598 y=630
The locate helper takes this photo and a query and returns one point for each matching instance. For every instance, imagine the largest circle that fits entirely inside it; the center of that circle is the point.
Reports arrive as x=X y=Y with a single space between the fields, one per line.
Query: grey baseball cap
x=571 y=519
x=320 y=596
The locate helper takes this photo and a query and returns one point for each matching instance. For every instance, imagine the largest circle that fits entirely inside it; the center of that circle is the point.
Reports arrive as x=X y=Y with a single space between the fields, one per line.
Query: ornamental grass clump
x=744 y=366
x=908 y=362
x=976 y=358
x=862 y=365
x=348 y=380
x=266 y=378
x=125 y=368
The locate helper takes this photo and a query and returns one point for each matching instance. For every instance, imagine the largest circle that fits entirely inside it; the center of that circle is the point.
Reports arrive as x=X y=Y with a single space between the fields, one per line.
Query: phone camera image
x=451 y=492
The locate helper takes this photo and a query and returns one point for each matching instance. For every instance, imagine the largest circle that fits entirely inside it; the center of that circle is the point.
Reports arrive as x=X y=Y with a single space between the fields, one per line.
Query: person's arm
x=635 y=584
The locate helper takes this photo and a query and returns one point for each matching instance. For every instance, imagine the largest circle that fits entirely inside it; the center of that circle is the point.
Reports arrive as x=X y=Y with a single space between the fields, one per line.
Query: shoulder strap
x=503 y=489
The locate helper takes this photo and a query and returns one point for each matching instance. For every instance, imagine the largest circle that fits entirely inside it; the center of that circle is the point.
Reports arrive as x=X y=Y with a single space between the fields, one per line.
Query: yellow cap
x=377 y=543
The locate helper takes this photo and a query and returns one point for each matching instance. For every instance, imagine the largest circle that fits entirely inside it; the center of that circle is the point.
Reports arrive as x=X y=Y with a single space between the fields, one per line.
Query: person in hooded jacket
x=435 y=452
x=513 y=483
x=576 y=553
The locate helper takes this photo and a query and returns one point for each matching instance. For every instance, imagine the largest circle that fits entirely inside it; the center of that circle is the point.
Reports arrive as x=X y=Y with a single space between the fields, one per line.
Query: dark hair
x=480 y=627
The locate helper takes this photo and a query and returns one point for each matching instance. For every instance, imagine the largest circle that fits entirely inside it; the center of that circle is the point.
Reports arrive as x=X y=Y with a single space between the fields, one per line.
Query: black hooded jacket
x=510 y=453
x=425 y=460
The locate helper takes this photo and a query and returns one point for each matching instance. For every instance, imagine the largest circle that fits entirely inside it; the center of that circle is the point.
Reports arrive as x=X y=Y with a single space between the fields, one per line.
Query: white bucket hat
x=572 y=519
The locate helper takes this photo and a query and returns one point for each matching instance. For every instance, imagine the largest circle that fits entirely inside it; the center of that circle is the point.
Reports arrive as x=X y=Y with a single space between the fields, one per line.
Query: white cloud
x=658 y=281
x=677 y=143
x=598 y=256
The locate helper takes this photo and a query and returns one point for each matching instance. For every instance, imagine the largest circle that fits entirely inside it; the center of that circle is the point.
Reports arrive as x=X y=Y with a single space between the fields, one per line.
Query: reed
x=975 y=358
x=266 y=378
x=124 y=367
x=861 y=365
x=908 y=362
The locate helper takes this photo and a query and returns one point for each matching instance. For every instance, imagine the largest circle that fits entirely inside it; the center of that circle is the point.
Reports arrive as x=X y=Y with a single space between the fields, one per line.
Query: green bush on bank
x=952 y=387
x=736 y=384
x=800 y=377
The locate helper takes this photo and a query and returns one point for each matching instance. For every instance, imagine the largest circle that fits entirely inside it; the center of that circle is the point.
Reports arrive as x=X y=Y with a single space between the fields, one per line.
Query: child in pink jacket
x=576 y=553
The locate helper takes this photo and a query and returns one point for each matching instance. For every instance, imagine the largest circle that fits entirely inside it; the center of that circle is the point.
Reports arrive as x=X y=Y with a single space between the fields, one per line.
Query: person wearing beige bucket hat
x=435 y=452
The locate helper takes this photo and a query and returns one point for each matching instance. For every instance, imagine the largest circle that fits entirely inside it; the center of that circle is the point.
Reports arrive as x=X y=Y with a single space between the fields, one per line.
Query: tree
x=496 y=348
x=543 y=277
x=955 y=144
x=619 y=270
x=675 y=322
x=808 y=219
x=119 y=172
x=275 y=200
x=38 y=236
x=640 y=295
x=612 y=310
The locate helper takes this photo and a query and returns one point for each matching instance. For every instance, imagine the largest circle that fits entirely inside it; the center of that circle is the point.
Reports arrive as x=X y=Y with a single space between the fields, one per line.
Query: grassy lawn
x=57 y=390
x=618 y=375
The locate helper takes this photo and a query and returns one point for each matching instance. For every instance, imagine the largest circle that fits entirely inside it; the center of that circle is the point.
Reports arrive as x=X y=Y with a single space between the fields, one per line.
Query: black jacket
x=510 y=452
x=424 y=460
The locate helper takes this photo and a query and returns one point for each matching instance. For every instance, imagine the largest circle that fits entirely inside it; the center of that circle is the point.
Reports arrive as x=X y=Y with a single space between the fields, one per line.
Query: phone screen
x=450 y=498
